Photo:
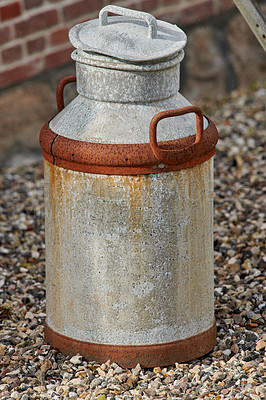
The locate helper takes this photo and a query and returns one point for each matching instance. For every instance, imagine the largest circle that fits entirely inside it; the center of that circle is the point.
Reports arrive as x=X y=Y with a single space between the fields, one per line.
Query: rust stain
x=53 y=256
x=60 y=90
x=135 y=197
x=139 y=188
x=153 y=355
x=176 y=155
x=126 y=159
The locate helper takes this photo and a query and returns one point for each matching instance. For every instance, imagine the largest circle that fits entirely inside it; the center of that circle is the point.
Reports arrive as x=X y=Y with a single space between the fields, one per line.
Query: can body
x=129 y=264
x=128 y=197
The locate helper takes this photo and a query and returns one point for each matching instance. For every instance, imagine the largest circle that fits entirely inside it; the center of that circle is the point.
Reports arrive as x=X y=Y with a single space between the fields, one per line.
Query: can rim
x=124 y=159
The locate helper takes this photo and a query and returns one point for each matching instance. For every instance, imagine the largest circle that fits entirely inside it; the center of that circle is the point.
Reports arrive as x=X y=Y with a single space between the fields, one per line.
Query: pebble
x=227 y=352
x=15 y=395
x=136 y=370
x=31 y=369
x=72 y=395
x=96 y=382
x=118 y=370
x=77 y=359
x=260 y=345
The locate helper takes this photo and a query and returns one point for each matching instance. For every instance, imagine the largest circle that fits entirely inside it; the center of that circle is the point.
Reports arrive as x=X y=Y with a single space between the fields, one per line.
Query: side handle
x=60 y=90
x=183 y=154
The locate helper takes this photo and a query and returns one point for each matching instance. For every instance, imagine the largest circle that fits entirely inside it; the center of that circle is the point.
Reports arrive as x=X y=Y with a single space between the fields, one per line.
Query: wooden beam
x=255 y=18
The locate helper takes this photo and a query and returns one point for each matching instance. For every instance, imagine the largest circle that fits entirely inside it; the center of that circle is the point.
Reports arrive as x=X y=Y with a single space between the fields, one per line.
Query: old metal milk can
x=129 y=199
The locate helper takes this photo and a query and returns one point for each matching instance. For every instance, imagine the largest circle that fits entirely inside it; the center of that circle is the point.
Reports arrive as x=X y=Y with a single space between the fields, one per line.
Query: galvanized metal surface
x=117 y=106
x=255 y=19
x=118 y=98
x=148 y=18
x=120 y=123
x=136 y=36
x=125 y=159
x=104 y=61
x=129 y=259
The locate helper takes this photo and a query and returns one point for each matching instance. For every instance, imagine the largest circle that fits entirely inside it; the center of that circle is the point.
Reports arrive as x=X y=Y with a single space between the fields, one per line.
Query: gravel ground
x=235 y=369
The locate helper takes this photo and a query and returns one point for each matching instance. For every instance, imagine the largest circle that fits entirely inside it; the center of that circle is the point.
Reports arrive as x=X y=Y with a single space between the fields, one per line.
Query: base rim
x=128 y=356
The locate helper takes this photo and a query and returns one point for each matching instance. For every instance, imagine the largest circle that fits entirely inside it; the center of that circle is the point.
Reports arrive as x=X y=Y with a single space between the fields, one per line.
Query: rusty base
x=160 y=354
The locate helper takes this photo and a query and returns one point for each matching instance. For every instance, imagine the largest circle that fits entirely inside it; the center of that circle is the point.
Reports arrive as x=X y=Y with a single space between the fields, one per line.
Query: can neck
x=103 y=78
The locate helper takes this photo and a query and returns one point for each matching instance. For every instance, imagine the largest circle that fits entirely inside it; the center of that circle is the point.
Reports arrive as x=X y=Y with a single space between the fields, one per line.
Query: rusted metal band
x=60 y=90
x=125 y=159
x=174 y=156
x=160 y=354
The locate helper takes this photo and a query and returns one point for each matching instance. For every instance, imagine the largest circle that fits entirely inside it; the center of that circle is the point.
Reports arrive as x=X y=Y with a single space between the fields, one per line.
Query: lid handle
x=150 y=19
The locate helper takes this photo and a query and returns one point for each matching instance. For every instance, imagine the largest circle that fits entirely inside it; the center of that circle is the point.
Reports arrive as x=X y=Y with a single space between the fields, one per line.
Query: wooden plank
x=255 y=18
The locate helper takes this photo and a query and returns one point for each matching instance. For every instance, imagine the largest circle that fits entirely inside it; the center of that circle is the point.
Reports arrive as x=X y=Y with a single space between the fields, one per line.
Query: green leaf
x=101 y=397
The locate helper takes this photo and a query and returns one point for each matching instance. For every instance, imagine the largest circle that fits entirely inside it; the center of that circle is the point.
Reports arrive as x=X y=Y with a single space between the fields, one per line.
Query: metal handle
x=174 y=156
x=60 y=90
x=150 y=19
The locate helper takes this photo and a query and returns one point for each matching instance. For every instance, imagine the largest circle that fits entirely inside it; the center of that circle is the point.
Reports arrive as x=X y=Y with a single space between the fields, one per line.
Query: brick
x=32 y=3
x=16 y=74
x=59 y=36
x=80 y=8
x=196 y=12
x=58 y=57
x=4 y=35
x=36 y=23
x=10 y=11
x=149 y=5
x=226 y=5
x=36 y=45
x=205 y=65
x=12 y=54
x=168 y=2
x=24 y=109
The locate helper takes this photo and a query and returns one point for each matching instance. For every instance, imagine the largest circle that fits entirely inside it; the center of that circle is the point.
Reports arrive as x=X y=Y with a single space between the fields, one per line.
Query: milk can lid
x=133 y=36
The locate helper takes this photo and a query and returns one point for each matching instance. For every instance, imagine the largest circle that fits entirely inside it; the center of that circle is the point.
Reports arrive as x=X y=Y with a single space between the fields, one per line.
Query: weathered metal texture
x=116 y=105
x=128 y=194
x=133 y=36
x=138 y=158
x=126 y=87
x=128 y=356
x=129 y=259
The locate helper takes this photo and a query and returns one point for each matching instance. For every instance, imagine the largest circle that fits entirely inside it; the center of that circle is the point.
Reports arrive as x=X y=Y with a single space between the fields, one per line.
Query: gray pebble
x=72 y=395
x=77 y=359
x=96 y=382
x=118 y=370
x=227 y=352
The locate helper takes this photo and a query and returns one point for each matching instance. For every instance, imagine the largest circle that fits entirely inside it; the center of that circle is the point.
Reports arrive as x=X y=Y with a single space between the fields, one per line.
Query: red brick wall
x=34 y=33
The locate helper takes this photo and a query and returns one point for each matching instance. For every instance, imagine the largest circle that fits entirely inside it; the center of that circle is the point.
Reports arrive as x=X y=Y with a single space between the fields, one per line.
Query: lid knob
x=150 y=19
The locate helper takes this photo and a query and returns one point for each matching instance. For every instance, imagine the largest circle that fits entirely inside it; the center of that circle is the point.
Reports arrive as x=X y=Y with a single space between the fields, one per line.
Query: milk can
x=129 y=200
